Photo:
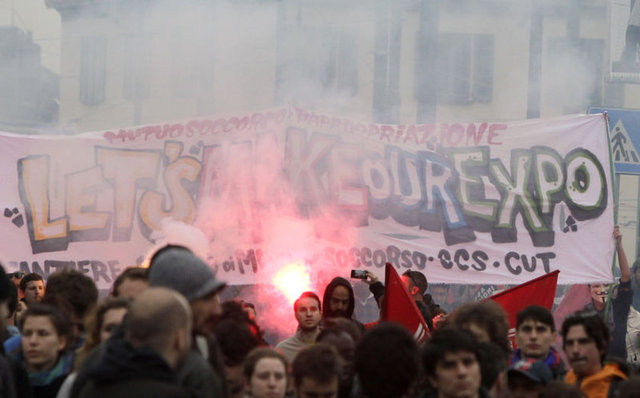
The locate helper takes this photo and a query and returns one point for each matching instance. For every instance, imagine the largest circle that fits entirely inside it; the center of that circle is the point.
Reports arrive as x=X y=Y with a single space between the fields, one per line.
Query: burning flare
x=292 y=280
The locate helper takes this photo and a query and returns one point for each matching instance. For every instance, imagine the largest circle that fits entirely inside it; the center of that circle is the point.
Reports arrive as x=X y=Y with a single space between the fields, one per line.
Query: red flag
x=398 y=306
x=538 y=291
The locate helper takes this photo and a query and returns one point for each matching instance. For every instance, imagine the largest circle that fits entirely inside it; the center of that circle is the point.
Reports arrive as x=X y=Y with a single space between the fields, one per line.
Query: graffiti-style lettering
x=85 y=222
x=586 y=186
x=517 y=198
x=46 y=234
x=140 y=173
x=180 y=202
x=304 y=162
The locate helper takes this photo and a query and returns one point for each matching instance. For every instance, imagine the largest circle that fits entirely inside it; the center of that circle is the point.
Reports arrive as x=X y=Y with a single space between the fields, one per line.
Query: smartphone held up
x=358 y=274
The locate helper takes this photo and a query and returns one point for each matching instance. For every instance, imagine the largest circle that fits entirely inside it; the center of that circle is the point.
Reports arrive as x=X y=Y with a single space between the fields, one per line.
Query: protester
x=632 y=339
x=72 y=292
x=265 y=374
x=157 y=338
x=16 y=278
x=451 y=363
x=100 y=324
x=306 y=309
x=528 y=377
x=130 y=283
x=249 y=308
x=621 y=300
x=416 y=284
x=46 y=349
x=10 y=322
x=535 y=335
x=494 y=364
x=585 y=340
x=234 y=309
x=178 y=268
x=32 y=288
x=486 y=320
x=316 y=372
x=343 y=341
x=14 y=382
x=338 y=300
x=386 y=361
x=236 y=340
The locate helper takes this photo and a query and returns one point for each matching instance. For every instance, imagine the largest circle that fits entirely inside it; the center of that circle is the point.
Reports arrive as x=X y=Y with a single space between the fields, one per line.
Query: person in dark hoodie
x=338 y=302
x=157 y=338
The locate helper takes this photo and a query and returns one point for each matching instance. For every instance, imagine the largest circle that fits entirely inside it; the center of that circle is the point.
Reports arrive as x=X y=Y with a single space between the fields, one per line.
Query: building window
x=93 y=61
x=326 y=58
x=465 y=68
x=136 y=68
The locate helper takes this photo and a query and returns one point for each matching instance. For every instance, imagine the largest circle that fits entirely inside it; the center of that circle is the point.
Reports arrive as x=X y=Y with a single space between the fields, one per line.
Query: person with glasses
x=585 y=340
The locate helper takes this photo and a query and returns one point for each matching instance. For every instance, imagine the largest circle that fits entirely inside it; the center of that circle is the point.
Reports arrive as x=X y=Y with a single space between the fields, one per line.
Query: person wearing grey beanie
x=178 y=268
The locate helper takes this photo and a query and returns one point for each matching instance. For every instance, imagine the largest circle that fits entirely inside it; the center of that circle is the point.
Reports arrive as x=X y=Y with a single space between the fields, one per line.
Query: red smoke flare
x=292 y=280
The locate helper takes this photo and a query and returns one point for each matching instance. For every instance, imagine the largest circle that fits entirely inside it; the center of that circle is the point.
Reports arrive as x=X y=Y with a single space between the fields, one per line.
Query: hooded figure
x=338 y=300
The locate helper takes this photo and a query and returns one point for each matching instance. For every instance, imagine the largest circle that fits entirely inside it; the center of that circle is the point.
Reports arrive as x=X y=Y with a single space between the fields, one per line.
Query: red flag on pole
x=538 y=291
x=398 y=306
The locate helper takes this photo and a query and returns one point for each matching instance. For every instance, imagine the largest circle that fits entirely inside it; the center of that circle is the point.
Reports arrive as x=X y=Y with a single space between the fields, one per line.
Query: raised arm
x=623 y=263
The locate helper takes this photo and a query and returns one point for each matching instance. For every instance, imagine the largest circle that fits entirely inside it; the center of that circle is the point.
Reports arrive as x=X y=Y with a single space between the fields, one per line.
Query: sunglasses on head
x=17 y=275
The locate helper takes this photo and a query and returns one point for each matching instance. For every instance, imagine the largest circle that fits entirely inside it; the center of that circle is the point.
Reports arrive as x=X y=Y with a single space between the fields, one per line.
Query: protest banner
x=462 y=202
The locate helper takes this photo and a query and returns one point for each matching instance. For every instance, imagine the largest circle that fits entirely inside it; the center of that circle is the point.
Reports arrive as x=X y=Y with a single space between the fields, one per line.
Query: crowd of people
x=164 y=332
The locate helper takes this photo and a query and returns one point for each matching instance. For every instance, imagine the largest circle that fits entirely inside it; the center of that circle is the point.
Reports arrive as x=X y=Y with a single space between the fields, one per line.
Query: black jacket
x=124 y=372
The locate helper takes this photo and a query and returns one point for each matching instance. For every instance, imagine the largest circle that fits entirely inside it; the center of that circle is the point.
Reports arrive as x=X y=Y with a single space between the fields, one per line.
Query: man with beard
x=307 y=312
x=338 y=301
x=585 y=340
x=621 y=299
